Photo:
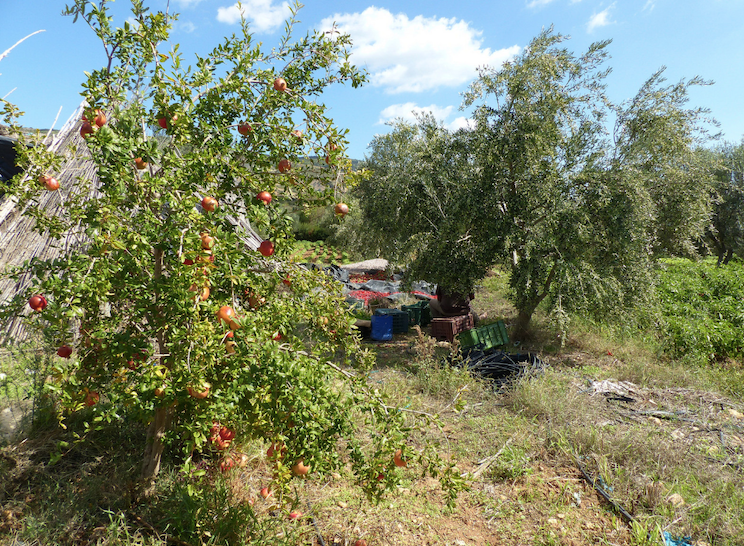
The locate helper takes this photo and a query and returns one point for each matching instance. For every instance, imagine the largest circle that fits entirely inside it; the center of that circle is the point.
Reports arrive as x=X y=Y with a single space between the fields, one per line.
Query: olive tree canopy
x=542 y=183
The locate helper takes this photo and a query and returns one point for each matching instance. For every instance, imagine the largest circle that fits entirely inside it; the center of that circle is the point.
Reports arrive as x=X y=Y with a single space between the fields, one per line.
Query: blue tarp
x=669 y=540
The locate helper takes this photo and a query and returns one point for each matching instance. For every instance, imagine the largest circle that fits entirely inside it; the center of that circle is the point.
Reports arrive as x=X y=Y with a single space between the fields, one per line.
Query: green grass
x=540 y=427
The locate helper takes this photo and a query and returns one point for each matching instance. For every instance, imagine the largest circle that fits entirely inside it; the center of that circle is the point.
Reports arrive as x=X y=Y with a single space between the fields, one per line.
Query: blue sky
x=419 y=55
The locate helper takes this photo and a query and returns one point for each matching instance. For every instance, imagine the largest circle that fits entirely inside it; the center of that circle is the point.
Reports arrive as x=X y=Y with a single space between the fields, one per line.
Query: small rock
x=561 y=516
x=342 y=504
x=735 y=413
x=678 y=434
x=655 y=420
x=675 y=499
x=553 y=522
x=577 y=498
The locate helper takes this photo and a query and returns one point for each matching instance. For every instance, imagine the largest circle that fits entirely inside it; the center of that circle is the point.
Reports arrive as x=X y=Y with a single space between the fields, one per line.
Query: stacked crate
x=447 y=328
x=419 y=313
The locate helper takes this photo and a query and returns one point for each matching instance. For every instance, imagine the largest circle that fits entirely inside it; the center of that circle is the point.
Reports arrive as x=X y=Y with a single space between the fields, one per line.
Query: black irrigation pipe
x=317 y=531
x=623 y=512
x=500 y=366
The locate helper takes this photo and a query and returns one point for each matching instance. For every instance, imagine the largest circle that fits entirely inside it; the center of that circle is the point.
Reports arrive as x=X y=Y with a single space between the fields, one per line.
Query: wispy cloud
x=461 y=122
x=186 y=26
x=185 y=4
x=264 y=15
x=416 y=54
x=649 y=6
x=601 y=19
x=408 y=111
x=538 y=3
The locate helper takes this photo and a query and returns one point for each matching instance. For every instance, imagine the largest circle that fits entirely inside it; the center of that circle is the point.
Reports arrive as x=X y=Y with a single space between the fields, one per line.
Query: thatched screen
x=19 y=243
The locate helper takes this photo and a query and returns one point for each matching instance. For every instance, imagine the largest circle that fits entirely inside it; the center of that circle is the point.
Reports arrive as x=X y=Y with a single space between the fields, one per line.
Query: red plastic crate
x=448 y=328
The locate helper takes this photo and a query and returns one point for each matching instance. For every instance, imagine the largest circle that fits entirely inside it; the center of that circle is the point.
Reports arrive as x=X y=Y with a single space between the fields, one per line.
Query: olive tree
x=181 y=308
x=417 y=203
x=726 y=231
x=539 y=184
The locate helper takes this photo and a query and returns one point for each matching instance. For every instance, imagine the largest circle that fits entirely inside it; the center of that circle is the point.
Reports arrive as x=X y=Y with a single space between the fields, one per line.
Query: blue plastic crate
x=382 y=327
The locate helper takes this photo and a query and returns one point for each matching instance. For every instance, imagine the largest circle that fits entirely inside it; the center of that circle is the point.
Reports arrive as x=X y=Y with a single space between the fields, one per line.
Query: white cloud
x=415 y=55
x=601 y=19
x=649 y=5
x=538 y=3
x=407 y=111
x=185 y=4
x=461 y=122
x=264 y=15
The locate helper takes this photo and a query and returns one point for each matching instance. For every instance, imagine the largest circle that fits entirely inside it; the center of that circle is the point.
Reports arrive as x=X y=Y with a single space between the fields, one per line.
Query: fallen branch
x=287 y=349
x=488 y=461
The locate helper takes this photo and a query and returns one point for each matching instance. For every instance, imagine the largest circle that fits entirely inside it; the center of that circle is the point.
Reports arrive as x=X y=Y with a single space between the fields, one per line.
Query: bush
x=702 y=309
x=314 y=224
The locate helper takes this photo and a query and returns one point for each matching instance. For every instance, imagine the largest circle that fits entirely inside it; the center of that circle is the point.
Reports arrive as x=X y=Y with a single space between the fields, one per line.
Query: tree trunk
x=729 y=255
x=159 y=425
x=154 y=448
x=521 y=328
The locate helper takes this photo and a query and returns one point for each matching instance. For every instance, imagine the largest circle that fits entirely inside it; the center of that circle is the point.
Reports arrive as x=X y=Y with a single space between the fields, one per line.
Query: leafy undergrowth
x=659 y=438
x=702 y=309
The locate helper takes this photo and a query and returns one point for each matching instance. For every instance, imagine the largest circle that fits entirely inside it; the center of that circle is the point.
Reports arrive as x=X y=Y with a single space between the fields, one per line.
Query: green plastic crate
x=425 y=313
x=469 y=338
x=487 y=337
x=419 y=313
x=414 y=314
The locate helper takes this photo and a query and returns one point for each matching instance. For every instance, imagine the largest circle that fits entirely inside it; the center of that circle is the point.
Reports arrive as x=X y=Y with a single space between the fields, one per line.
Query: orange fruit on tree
x=209 y=204
x=284 y=166
x=398 y=459
x=300 y=468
